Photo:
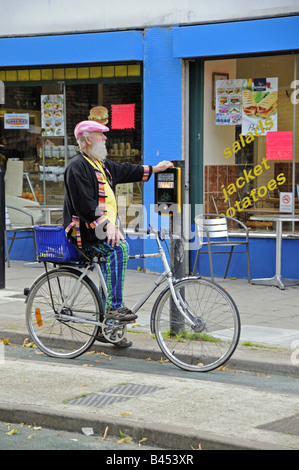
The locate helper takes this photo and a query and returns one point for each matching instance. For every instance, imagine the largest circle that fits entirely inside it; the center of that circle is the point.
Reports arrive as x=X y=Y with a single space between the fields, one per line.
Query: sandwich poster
x=228 y=102
x=259 y=103
x=52 y=114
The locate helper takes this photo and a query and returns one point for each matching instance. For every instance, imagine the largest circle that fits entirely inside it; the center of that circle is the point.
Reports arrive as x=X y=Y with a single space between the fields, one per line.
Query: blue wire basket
x=53 y=246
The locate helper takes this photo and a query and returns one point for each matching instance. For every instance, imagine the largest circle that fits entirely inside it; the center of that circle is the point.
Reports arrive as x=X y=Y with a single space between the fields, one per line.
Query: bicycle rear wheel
x=63 y=332
x=211 y=340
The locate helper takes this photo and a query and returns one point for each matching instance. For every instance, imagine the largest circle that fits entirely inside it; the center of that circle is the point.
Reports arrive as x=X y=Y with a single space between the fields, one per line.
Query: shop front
x=244 y=133
x=52 y=82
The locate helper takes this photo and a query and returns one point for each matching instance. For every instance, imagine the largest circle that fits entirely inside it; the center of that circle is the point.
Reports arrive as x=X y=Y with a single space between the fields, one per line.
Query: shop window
x=248 y=136
x=35 y=150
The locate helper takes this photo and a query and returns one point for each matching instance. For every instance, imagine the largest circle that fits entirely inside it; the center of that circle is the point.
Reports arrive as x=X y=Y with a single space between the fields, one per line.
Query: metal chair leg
x=211 y=263
x=228 y=262
x=248 y=263
x=196 y=261
x=7 y=250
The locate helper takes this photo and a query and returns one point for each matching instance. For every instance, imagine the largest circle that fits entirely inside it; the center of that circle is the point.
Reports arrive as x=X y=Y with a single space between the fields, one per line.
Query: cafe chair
x=212 y=231
x=15 y=229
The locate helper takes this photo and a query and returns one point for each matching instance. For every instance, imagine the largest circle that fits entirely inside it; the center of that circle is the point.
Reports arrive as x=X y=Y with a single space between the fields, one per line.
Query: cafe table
x=277 y=280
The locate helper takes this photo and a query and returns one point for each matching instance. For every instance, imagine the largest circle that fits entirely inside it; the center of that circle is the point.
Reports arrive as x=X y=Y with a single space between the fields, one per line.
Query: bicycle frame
x=166 y=275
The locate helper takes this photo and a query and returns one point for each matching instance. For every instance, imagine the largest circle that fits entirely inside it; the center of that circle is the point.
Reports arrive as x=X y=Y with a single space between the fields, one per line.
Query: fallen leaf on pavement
x=5 y=342
x=105 y=434
x=125 y=439
x=142 y=440
x=199 y=447
x=162 y=361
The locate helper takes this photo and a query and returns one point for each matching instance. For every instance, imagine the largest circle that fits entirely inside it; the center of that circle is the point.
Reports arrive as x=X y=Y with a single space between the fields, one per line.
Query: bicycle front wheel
x=61 y=311
x=207 y=335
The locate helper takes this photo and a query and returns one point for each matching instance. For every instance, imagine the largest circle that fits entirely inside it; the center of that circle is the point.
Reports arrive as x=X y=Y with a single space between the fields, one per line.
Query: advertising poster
x=228 y=102
x=259 y=105
x=52 y=114
x=16 y=121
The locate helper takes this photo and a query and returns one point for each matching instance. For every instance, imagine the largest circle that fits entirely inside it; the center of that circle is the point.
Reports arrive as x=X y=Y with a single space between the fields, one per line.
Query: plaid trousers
x=114 y=269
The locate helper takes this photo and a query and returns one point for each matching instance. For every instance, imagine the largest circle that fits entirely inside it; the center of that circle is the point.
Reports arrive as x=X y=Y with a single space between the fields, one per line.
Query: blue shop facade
x=160 y=86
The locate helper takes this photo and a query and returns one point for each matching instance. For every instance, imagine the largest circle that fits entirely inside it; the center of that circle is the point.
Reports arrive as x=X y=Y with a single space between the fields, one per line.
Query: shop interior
x=35 y=153
x=227 y=154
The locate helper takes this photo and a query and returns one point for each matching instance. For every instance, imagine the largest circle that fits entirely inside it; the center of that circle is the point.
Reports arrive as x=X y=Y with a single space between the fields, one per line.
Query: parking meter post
x=177 y=254
x=2 y=228
x=176 y=228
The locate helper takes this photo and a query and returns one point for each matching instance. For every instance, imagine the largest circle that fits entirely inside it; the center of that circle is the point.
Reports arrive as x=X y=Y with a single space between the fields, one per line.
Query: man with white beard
x=90 y=209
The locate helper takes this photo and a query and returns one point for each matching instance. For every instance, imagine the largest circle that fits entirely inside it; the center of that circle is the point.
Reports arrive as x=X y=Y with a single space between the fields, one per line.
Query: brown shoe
x=122 y=314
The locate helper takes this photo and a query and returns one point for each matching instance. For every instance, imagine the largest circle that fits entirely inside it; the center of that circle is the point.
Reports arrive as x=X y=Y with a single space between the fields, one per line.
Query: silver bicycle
x=195 y=321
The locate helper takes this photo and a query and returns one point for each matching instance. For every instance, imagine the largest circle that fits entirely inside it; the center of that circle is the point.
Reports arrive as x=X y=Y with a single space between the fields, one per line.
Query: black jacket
x=82 y=191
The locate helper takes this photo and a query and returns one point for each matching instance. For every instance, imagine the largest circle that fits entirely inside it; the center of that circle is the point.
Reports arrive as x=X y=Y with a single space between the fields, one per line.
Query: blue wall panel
x=71 y=48
x=240 y=37
x=22 y=249
x=162 y=117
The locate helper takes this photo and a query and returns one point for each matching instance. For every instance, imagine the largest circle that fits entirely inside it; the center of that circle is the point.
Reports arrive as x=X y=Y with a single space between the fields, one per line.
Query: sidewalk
x=213 y=413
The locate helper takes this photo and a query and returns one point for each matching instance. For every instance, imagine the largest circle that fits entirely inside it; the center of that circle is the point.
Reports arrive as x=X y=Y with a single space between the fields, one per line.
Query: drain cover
x=114 y=394
x=132 y=390
x=287 y=425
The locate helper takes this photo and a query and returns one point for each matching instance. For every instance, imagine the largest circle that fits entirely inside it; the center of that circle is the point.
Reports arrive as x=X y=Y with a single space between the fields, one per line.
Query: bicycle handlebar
x=157 y=232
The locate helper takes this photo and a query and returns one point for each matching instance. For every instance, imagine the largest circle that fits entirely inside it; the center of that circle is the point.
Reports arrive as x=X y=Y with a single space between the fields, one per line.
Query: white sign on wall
x=16 y=121
x=286 y=202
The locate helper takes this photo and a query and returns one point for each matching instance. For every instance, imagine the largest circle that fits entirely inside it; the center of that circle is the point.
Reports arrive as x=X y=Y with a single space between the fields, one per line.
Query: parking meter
x=168 y=194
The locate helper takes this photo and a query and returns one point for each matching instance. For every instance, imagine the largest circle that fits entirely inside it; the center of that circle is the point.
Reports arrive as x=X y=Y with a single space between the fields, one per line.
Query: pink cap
x=89 y=126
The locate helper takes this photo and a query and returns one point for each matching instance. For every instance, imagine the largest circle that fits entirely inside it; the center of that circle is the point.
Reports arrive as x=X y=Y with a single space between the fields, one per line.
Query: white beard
x=98 y=150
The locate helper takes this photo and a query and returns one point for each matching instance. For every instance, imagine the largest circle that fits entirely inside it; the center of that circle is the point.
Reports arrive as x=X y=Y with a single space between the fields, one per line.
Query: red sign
x=123 y=116
x=279 y=145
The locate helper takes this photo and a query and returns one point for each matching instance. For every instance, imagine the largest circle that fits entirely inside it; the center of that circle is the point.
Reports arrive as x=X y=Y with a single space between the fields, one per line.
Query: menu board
x=52 y=114
x=260 y=102
x=228 y=102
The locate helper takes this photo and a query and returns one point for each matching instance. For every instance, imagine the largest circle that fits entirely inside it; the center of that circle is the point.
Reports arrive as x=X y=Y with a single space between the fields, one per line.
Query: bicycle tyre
x=53 y=336
x=215 y=336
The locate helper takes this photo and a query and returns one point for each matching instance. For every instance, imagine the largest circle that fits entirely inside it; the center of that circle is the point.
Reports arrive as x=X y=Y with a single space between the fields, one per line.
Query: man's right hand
x=114 y=235
x=162 y=166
